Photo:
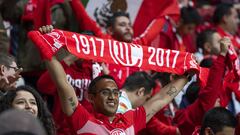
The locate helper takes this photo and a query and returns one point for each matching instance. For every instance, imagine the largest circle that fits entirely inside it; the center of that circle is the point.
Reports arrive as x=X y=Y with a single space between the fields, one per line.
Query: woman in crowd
x=28 y=99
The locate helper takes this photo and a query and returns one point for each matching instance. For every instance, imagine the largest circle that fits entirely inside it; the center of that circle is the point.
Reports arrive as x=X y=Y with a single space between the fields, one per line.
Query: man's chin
x=111 y=112
x=128 y=39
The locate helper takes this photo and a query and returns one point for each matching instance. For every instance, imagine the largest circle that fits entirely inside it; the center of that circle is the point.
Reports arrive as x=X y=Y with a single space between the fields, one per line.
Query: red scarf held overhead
x=114 y=52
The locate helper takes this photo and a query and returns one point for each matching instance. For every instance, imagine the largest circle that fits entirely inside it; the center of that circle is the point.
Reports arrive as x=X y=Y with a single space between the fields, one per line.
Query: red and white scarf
x=114 y=52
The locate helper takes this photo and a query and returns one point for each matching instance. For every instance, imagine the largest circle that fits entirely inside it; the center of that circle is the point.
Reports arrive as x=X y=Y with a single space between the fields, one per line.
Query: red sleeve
x=45 y=84
x=231 y=84
x=79 y=118
x=188 y=118
x=138 y=117
x=234 y=87
x=151 y=32
x=85 y=22
x=165 y=41
x=154 y=126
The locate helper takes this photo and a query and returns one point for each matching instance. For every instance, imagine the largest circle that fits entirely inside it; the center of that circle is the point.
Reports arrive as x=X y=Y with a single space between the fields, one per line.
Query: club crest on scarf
x=117 y=132
x=126 y=55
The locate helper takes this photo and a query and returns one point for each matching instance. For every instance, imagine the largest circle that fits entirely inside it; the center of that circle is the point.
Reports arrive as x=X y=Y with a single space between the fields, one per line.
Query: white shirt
x=124 y=103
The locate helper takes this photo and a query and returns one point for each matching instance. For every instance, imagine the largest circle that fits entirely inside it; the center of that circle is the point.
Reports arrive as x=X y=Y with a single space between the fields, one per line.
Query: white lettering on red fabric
x=88 y=46
x=161 y=57
x=80 y=85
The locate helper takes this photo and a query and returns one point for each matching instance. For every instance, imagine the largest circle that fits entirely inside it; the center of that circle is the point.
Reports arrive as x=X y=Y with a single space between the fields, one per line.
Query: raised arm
x=165 y=96
x=207 y=96
x=66 y=92
x=166 y=14
x=151 y=32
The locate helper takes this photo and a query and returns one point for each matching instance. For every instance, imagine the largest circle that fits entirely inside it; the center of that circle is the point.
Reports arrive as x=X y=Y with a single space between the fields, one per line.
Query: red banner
x=114 y=52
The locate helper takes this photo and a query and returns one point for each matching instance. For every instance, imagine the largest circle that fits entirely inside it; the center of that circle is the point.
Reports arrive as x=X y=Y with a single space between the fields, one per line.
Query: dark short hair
x=218 y=118
x=112 y=19
x=138 y=80
x=204 y=36
x=207 y=62
x=92 y=85
x=220 y=11
x=189 y=15
x=6 y=59
x=192 y=92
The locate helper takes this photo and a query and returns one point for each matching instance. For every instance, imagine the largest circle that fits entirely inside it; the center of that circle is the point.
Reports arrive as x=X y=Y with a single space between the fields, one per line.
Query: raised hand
x=9 y=82
x=225 y=43
x=46 y=29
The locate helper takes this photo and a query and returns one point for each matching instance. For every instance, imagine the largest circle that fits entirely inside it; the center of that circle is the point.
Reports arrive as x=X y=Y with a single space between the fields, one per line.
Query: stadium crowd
x=172 y=69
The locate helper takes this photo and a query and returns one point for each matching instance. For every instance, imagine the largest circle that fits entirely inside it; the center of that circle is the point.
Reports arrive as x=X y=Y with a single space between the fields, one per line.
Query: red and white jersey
x=128 y=123
x=79 y=78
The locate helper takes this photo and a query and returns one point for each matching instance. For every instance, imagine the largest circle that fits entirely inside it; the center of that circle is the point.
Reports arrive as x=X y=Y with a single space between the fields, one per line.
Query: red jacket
x=169 y=39
x=186 y=119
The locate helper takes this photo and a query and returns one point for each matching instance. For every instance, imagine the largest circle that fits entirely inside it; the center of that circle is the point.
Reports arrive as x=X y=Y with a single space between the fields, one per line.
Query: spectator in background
x=226 y=20
x=137 y=89
x=28 y=56
x=217 y=121
x=27 y=99
x=208 y=44
x=9 y=73
x=10 y=17
x=180 y=36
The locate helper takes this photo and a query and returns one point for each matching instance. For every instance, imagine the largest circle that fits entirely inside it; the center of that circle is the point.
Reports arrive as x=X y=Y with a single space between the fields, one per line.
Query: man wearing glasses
x=9 y=73
x=104 y=95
